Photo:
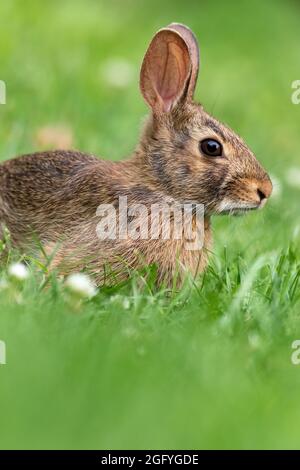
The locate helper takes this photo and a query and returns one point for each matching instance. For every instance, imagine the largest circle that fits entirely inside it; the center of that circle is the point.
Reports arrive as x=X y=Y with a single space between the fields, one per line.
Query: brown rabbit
x=184 y=155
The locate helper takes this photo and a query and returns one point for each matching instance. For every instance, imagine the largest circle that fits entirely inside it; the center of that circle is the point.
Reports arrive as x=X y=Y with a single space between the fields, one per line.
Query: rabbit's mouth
x=238 y=212
x=227 y=207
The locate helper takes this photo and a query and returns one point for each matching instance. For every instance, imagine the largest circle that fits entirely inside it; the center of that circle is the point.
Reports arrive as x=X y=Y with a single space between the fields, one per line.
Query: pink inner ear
x=169 y=78
x=165 y=70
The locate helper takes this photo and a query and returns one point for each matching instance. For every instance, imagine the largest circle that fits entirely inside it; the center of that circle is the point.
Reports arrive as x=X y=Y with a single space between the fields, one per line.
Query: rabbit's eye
x=211 y=148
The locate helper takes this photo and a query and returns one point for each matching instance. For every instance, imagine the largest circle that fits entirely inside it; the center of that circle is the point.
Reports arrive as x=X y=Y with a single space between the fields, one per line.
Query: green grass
x=206 y=367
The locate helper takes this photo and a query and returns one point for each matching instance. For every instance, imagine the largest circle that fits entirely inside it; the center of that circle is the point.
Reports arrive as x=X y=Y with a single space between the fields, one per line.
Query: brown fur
x=54 y=196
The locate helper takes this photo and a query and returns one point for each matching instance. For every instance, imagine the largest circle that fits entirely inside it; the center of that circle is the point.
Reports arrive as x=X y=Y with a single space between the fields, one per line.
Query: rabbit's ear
x=192 y=44
x=167 y=70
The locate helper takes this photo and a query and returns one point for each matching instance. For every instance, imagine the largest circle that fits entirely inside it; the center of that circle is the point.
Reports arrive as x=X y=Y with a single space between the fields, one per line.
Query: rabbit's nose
x=264 y=189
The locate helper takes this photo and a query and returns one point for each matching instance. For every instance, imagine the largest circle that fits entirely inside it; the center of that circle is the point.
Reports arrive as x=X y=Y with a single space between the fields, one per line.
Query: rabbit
x=184 y=155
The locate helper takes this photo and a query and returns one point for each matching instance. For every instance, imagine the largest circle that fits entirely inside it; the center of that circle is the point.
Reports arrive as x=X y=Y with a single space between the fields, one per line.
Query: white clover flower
x=292 y=177
x=277 y=186
x=119 y=299
x=81 y=285
x=3 y=284
x=130 y=332
x=296 y=231
x=117 y=73
x=126 y=303
x=18 y=271
x=254 y=340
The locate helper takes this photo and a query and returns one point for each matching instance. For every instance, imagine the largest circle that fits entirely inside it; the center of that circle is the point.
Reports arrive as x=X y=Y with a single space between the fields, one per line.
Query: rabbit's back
x=46 y=193
x=49 y=168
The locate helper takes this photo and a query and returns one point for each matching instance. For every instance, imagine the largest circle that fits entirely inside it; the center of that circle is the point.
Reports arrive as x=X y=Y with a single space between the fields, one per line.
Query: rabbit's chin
x=228 y=207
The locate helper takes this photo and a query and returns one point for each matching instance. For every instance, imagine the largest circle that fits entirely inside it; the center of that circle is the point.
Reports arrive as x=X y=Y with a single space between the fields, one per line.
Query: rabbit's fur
x=53 y=196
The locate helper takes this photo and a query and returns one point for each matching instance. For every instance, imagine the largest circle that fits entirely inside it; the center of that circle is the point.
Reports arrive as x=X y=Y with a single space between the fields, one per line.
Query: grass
x=206 y=367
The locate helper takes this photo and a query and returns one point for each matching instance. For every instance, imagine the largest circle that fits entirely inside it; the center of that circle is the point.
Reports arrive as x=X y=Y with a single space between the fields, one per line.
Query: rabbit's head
x=189 y=154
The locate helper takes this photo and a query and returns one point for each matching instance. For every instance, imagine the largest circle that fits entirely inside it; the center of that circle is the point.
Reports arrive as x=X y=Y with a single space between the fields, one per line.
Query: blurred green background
x=208 y=367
